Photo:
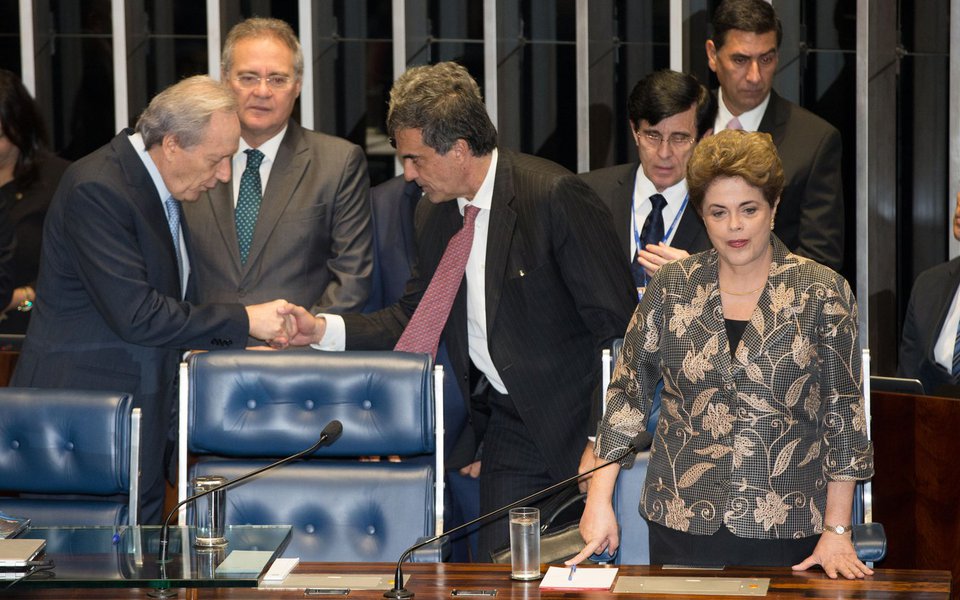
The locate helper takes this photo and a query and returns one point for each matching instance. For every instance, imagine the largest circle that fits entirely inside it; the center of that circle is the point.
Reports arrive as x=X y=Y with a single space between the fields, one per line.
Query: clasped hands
x=282 y=324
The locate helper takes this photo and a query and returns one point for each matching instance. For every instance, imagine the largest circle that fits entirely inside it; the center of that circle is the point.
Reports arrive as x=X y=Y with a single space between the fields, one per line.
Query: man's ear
x=707 y=133
x=461 y=147
x=170 y=146
x=711 y=55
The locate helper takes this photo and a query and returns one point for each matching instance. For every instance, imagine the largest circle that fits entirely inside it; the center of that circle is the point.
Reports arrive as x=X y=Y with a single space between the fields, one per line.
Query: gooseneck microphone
x=640 y=442
x=329 y=435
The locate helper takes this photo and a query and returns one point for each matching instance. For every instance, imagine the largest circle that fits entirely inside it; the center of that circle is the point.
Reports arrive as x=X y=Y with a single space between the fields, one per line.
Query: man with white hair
x=111 y=312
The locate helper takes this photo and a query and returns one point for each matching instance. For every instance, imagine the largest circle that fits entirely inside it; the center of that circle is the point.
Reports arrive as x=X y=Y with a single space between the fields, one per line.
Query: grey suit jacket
x=810 y=215
x=615 y=187
x=930 y=301
x=312 y=244
x=557 y=292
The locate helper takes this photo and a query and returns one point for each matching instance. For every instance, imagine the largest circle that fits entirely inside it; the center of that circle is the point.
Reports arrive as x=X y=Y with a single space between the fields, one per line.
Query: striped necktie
x=956 y=354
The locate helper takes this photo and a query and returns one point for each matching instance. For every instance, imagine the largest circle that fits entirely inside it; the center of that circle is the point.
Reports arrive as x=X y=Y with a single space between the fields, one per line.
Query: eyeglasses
x=275 y=82
x=677 y=141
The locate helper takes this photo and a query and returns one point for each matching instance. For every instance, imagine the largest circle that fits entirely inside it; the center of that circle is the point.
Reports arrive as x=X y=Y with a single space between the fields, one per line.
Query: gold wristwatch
x=838 y=529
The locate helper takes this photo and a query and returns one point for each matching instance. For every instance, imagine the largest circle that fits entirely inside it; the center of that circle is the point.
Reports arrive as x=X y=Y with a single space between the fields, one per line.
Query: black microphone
x=329 y=435
x=640 y=442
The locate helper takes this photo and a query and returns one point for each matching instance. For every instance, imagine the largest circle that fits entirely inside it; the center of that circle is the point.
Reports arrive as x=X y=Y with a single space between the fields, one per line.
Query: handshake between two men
x=281 y=324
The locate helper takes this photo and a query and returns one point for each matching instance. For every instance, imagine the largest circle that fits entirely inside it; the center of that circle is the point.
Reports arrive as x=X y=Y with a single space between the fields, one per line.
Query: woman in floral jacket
x=762 y=434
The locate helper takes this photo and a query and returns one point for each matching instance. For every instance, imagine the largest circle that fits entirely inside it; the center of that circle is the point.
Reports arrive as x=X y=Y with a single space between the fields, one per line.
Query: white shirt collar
x=644 y=188
x=483 y=199
x=269 y=147
x=136 y=140
x=749 y=121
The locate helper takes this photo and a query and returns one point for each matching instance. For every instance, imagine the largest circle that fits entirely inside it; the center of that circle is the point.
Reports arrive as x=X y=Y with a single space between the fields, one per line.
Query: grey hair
x=183 y=110
x=258 y=27
x=444 y=102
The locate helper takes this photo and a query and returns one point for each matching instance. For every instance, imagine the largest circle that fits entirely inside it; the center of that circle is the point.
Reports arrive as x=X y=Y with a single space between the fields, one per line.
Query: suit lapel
x=775 y=118
x=691 y=235
x=221 y=203
x=623 y=206
x=293 y=158
x=944 y=300
x=503 y=219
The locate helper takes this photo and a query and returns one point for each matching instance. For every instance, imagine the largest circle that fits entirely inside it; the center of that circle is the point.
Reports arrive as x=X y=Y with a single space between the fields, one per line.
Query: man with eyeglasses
x=743 y=53
x=294 y=220
x=668 y=114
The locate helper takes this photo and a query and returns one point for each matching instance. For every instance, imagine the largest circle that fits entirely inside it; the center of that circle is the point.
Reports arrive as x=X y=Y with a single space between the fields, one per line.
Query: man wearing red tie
x=524 y=312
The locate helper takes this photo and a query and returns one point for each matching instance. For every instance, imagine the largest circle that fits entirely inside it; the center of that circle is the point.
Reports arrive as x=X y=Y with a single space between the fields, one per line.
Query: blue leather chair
x=246 y=409
x=71 y=457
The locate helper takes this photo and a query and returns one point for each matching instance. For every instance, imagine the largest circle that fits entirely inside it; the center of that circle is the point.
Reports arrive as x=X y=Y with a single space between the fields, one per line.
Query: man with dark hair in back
x=669 y=112
x=743 y=53
x=518 y=272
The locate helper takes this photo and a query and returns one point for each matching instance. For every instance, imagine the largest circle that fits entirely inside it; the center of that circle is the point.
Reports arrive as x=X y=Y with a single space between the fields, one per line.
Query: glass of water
x=525 y=543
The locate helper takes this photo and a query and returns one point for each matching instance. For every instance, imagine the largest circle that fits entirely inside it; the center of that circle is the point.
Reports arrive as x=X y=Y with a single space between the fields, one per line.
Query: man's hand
x=267 y=322
x=304 y=328
x=587 y=462
x=471 y=470
x=654 y=256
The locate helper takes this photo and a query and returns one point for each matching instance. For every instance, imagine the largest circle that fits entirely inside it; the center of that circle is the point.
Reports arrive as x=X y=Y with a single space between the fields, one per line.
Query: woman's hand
x=598 y=527
x=836 y=554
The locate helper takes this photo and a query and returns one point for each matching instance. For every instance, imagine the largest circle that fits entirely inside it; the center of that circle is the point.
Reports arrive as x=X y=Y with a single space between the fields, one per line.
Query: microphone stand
x=642 y=440
x=329 y=435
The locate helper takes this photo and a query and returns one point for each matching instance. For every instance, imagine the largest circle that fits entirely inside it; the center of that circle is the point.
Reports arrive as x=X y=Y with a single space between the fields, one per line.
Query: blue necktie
x=248 y=202
x=652 y=233
x=173 y=220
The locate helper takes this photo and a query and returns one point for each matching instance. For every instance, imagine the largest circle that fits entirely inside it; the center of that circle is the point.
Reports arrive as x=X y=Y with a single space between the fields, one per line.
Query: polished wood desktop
x=434 y=581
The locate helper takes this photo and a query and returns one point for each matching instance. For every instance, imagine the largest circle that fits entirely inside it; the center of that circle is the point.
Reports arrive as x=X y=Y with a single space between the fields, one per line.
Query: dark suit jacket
x=810 y=215
x=930 y=301
x=28 y=208
x=392 y=207
x=313 y=241
x=615 y=187
x=557 y=293
x=108 y=313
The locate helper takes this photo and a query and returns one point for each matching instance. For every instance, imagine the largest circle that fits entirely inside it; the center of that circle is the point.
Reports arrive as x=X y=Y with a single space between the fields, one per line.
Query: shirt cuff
x=335 y=336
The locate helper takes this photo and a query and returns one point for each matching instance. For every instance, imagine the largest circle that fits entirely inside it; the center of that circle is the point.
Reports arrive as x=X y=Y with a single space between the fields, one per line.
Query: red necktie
x=422 y=333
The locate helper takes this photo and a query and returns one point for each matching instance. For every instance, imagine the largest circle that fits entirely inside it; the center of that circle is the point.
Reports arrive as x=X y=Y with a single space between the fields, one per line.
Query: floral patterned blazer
x=748 y=440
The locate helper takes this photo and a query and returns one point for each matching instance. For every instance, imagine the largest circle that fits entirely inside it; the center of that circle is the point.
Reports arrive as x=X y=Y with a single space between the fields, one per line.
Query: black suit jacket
x=810 y=215
x=930 y=301
x=108 y=313
x=615 y=187
x=557 y=292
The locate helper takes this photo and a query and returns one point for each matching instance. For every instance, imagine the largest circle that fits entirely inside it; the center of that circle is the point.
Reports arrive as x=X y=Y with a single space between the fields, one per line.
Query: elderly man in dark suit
x=111 y=312
x=931 y=329
x=531 y=278
x=294 y=221
x=743 y=53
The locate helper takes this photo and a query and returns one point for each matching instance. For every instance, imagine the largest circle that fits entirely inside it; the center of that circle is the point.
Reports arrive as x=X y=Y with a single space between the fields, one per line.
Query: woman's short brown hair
x=750 y=156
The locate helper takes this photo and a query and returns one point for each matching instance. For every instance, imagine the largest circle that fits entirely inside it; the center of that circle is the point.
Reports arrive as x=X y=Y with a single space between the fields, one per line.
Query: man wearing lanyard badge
x=669 y=113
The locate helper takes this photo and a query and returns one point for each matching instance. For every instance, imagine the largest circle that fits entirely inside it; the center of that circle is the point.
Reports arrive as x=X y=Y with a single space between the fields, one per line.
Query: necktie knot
x=172 y=205
x=254 y=158
x=734 y=123
x=470 y=215
x=658 y=202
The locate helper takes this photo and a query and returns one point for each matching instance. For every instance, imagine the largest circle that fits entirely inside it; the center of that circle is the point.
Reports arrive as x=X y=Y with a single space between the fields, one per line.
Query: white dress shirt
x=269 y=149
x=335 y=335
x=643 y=188
x=943 y=351
x=136 y=140
x=749 y=121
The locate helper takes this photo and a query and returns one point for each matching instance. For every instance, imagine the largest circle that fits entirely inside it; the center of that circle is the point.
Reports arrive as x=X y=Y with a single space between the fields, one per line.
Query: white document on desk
x=592 y=578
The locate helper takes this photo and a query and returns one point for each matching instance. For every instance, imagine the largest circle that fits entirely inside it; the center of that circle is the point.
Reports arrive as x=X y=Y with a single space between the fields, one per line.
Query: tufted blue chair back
x=247 y=409
x=56 y=442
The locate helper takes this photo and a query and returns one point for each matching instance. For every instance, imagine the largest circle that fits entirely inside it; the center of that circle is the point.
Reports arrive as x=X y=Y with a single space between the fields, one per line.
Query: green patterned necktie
x=248 y=202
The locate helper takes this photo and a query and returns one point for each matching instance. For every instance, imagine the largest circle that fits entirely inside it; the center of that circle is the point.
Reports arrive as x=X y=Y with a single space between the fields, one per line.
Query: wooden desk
x=435 y=581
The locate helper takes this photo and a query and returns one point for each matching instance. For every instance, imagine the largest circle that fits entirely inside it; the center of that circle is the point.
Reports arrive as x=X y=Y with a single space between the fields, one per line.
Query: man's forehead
x=747 y=43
